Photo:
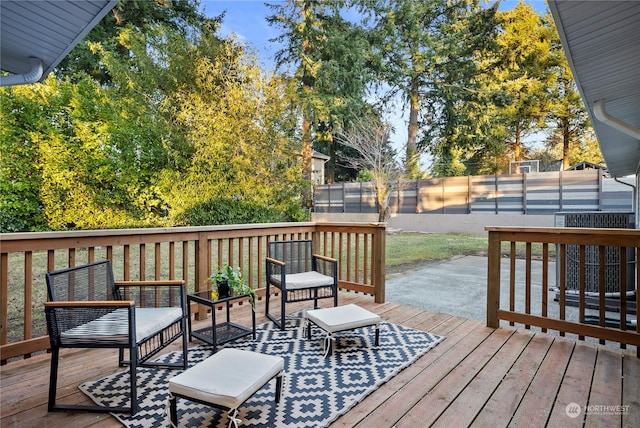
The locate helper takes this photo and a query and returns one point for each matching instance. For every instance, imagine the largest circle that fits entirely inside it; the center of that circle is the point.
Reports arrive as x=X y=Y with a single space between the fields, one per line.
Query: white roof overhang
x=602 y=42
x=36 y=35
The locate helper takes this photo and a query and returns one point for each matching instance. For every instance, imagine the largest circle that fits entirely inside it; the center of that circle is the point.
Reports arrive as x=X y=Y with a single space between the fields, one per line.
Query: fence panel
x=430 y=196
x=483 y=194
x=542 y=193
x=511 y=193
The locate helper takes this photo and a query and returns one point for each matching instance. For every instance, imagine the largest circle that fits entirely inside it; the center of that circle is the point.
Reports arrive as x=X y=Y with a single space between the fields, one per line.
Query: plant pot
x=223 y=290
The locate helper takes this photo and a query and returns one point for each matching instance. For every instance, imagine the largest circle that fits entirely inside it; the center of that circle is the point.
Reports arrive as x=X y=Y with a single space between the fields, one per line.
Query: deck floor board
x=476 y=377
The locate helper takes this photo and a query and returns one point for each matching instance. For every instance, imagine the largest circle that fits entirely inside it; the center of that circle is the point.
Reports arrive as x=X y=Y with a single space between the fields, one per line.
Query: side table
x=220 y=332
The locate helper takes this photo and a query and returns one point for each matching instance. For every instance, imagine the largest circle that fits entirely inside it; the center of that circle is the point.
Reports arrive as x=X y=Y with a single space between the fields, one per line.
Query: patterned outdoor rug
x=316 y=390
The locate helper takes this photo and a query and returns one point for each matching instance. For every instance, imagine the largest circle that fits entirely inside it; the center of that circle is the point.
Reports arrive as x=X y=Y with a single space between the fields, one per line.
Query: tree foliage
x=184 y=118
x=155 y=119
x=328 y=57
x=425 y=51
x=138 y=16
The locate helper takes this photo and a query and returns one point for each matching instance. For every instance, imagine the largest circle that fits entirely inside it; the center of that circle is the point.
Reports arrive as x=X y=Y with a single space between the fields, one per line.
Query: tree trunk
x=331 y=165
x=307 y=153
x=411 y=161
x=517 y=146
x=565 y=144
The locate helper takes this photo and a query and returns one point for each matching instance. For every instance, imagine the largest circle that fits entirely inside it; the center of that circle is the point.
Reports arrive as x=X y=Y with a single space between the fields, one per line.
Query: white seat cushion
x=341 y=318
x=297 y=281
x=151 y=320
x=227 y=378
x=114 y=327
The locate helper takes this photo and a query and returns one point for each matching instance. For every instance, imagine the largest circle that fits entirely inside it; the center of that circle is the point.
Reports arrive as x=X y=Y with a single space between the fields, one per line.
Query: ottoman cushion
x=227 y=378
x=341 y=318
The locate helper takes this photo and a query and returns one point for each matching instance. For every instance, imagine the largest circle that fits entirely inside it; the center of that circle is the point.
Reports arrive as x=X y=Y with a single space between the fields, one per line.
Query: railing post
x=202 y=258
x=379 y=261
x=493 y=280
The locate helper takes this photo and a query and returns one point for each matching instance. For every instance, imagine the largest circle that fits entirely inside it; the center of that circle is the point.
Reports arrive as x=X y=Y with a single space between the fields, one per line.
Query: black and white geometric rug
x=316 y=390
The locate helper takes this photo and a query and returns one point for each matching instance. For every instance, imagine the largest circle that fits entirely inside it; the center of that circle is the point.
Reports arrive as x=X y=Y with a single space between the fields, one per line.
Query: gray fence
x=533 y=193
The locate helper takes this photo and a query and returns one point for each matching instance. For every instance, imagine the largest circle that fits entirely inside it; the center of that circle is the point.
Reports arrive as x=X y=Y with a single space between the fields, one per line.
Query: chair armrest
x=92 y=304
x=325 y=258
x=326 y=265
x=275 y=261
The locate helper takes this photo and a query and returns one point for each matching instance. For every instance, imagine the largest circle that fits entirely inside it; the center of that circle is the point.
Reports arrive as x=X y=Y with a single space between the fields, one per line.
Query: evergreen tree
x=136 y=15
x=425 y=52
x=524 y=71
x=327 y=55
x=569 y=121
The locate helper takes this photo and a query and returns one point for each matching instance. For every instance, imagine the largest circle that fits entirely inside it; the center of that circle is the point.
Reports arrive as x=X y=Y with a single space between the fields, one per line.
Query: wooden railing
x=589 y=262
x=189 y=253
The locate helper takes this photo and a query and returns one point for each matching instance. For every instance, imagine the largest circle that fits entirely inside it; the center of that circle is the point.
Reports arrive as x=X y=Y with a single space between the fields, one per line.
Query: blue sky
x=246 y=18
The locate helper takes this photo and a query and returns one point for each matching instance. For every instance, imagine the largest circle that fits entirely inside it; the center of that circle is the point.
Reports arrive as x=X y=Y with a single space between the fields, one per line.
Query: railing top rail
x=574 y=230
x=345 y=226
x=147 y=231
x=569 y=235
x=33 y=241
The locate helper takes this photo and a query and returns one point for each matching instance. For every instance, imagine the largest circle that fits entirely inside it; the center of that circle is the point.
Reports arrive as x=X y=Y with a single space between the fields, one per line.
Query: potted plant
x=228 y=281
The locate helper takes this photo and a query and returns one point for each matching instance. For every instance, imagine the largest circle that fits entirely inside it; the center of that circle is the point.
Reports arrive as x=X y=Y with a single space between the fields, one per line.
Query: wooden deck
x=477 y=377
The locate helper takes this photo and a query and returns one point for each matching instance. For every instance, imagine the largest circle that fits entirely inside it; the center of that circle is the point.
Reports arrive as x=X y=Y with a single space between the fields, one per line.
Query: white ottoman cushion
x=227 y=378
x=341 y=318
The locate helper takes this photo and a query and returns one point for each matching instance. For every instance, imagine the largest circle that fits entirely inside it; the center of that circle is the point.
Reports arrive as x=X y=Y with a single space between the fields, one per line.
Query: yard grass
x=415 y=248
x=405 y=250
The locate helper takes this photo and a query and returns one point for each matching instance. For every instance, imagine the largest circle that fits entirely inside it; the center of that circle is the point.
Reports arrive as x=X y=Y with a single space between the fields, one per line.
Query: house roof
x=43 y=30
x=602 y=42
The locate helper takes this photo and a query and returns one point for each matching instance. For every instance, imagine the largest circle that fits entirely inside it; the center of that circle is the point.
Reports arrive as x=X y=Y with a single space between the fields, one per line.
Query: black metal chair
x=299 y=274
x=88 y=309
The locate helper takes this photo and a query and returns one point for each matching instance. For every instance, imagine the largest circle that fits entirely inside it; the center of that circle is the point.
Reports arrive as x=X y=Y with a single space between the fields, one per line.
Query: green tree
x=568 y=118
x=21 y=206
x=328 y=56
x=460 y=96
x=235 y=121
x=72 y=158
x=186 y=118
x=136 y=15
x=525 y=72
x=425 y=52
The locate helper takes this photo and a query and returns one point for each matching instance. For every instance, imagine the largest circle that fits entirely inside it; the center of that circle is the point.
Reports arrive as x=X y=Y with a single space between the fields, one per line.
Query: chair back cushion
x=90 y=282
x=298 y=255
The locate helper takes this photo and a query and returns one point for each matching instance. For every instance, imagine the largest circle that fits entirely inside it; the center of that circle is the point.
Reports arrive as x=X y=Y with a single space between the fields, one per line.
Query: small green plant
x=233 y=279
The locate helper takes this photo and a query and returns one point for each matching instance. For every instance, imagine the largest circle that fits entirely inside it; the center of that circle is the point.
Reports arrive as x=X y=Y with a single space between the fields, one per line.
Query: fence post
x=560 y=190
x=524 y=193
x=493 y=280
x=469 y=193
x=442 y=197
x=417 y=210
x=600 y=178
x=495 y=192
